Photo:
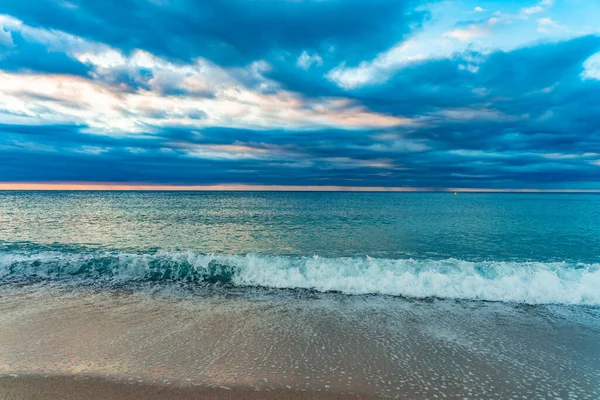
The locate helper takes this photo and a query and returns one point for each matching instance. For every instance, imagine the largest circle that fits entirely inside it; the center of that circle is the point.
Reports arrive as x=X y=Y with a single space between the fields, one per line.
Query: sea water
x=524 y=248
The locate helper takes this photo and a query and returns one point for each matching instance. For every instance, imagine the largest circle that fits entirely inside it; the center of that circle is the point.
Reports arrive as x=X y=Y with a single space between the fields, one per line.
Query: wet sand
x=268 y=344
x=71 y=388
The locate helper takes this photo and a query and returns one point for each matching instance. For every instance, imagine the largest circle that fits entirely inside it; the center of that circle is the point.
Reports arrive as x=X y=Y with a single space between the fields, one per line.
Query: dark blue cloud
x=62 y=153
x=228 y=31
x=542 y=102
x=26 y=55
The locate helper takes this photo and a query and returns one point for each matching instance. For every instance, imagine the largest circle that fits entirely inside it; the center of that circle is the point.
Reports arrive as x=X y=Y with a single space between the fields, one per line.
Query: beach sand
x=59 y=342
x=72 y=388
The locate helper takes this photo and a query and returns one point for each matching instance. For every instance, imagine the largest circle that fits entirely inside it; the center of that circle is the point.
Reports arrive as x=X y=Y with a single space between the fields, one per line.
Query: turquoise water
x=531 y=248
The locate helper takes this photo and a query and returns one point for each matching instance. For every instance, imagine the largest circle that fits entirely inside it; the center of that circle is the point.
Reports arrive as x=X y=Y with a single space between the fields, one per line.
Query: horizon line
x=80 y=186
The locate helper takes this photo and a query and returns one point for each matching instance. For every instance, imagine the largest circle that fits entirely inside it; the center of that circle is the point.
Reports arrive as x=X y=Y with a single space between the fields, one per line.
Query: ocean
x=392 y=295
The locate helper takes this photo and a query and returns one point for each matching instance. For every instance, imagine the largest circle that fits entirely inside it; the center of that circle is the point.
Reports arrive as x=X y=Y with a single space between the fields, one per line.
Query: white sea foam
x=523 y=282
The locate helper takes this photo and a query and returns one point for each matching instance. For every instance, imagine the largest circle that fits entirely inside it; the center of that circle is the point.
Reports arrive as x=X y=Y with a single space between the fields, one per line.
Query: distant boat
x=455 y=193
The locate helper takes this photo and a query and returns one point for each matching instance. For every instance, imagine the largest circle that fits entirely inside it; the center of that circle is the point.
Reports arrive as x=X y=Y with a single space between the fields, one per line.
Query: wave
x=523 y=282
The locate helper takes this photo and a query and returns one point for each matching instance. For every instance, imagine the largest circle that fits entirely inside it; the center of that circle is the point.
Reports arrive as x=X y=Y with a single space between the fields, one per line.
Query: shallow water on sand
x=267 y=339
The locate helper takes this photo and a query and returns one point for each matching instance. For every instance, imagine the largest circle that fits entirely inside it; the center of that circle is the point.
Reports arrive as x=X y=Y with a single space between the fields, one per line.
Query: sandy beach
x=58 y=341
x=72 y=388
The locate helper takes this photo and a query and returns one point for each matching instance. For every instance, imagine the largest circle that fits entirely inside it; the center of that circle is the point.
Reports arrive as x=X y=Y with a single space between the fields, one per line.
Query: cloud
x=66 y=99
x=432 y=94
x=228 y=32
x=479 y=9
x=591 y=67
x=381 y=67
x=538 y=8
x=464 y=38
x=93 y=150
x=53 y=40
x=548 y=25
x=447 y=36
x=5 y=38
x=471 y=114
x=546 y=22
x=305 y=61
x=234 y=151
x=141 y=92
x=467 y=34
x=347 y=162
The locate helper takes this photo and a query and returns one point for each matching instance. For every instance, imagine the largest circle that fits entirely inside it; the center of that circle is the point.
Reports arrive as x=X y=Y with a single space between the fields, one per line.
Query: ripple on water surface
x=385 y=346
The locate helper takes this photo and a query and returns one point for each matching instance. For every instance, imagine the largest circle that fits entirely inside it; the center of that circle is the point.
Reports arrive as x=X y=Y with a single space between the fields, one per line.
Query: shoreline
x=101 y=388
x=288 y=346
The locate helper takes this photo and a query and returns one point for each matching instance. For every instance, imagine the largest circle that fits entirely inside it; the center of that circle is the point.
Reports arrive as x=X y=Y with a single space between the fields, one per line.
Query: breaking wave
x=523 y=282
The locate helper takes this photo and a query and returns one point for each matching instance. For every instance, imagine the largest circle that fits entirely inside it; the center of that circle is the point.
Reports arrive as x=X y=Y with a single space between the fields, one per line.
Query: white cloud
x=548 y=25
x=5 y=38
x=421 y=47
x=237 y=151
x=538 y=8
x=533 y=10
x=69 y=5
x=479 y=153
x=442 y=38
x=474 y=114
x=347 y=162
x=305 y=61
x=467 y=34
x=398 y=143
x=591 y=67
x=214 y=96
x=445 y=37
x=54 y=40
x=479 y=9
x=35 y=99
x=472 y=68
x=136 y=150
x=93 y=150
x=565 y=156
x=379 y=69
x=30 y=146
x=5 y=35
x=546 y=22
x=101 y=59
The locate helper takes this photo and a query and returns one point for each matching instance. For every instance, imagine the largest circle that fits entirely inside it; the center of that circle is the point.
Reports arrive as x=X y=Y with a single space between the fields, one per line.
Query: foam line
x=523 y=282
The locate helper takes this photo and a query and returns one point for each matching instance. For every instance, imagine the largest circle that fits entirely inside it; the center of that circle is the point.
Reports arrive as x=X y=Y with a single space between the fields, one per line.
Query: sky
x=390 y=94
